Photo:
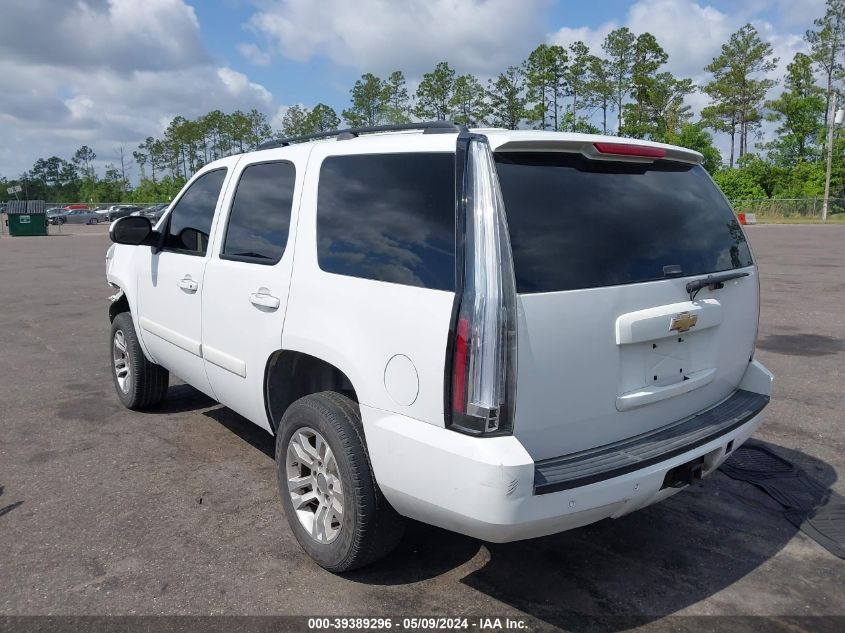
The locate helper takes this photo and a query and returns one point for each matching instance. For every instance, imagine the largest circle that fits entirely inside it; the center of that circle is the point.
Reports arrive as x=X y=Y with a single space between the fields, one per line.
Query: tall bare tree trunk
x=733 y=137
x=604 y=117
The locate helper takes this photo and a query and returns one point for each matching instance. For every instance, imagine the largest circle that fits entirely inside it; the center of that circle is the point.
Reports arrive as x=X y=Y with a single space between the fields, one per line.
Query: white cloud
x=481 y=36
x=254 y=54
x=120 y=34
x=593 y=38
x=107 y=98
x=239 y=84
x=692 y=33
x=795 y=12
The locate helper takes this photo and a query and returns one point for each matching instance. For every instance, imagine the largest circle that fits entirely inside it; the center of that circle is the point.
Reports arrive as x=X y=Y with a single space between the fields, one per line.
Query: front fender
x=121 y=274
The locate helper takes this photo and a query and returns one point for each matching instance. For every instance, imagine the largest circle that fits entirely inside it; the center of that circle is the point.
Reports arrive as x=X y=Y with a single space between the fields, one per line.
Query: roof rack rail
x=428 y=127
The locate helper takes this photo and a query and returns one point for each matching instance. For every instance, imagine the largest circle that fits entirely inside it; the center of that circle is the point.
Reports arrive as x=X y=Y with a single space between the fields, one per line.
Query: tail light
x=483 y=364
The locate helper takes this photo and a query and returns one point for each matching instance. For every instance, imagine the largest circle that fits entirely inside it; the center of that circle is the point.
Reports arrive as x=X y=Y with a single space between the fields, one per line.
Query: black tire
x=93 y=221
x=147 y=383
x=370 y=527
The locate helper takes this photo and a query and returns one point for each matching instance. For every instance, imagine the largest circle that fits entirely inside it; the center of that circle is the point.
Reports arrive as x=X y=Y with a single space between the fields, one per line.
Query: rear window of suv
x=580 y=223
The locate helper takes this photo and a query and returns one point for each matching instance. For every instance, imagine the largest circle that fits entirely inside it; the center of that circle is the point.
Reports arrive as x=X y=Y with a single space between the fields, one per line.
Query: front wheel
x=330 y=497
x=93 y=221
x=139 y=383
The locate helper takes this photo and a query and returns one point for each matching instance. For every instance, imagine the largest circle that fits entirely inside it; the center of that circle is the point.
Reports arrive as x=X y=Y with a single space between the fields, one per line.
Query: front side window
x=189 y=223
x=260 y=217
x=388 y=217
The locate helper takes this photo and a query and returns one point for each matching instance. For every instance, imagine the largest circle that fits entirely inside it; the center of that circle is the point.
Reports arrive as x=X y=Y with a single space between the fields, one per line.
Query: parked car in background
x=109 y=210
x=56 y=215
x=121 y=211
x=71 y=207
x=78 y=216
x=155 y=211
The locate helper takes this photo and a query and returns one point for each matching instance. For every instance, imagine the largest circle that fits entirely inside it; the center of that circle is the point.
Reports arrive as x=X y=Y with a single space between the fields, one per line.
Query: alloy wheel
x=314 y=484
x=122 y=368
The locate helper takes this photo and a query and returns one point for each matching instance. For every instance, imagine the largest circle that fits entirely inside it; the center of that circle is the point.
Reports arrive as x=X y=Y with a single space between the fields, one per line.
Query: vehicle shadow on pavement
x=636 y=569
x=620 y=573
x=251 y=433
x=612 y=575
x=182 y=398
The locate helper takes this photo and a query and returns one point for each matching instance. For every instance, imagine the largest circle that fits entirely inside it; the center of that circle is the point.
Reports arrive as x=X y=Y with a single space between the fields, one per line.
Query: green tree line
x=622 y=89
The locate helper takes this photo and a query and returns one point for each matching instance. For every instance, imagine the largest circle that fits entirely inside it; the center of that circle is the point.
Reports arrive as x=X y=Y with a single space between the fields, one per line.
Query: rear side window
x=580 y=223
x=189 y=223
x=260 y=217
x=388 y=217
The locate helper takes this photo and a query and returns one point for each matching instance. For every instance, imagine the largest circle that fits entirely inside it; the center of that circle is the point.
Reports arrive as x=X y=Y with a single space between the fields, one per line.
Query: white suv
x=503 y=333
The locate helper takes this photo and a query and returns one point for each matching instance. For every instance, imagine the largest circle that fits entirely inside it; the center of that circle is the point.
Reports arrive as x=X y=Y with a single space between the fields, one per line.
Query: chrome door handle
x=187 y=284
x=263 y=299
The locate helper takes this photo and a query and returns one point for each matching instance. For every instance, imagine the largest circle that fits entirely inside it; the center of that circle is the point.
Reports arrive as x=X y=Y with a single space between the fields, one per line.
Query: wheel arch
x=121 y=304
x=291 y=374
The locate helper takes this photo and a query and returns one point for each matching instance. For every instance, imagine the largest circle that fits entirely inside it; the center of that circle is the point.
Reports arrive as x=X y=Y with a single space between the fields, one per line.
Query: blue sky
x=226 y=25
x=108 y=73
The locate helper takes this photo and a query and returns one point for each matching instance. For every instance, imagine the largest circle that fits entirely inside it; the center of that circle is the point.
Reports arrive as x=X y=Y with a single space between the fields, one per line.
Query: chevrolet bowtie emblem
x=683 y=322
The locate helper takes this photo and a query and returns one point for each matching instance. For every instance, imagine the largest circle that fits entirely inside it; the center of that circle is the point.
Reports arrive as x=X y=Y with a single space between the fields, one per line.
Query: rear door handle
x=187 y=284
x=264 y=299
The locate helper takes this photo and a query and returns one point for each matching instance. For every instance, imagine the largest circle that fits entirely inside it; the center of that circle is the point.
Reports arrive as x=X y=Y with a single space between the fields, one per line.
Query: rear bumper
x=633 y=454
x=485 y=488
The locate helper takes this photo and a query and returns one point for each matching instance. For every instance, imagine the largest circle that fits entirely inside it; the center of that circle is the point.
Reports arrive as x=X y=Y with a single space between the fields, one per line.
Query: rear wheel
x=329 y=494
x=139 y=383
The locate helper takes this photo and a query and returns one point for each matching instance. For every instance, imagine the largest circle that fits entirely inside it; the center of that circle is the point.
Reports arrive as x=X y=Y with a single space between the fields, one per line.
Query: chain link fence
x=104 y=205
x=774 y=209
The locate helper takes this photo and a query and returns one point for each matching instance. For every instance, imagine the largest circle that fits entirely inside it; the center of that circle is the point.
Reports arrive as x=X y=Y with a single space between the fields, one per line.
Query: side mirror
x=134 y=230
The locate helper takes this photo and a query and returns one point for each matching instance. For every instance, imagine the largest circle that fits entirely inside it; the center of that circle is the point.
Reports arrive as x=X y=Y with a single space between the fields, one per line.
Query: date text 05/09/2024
x=417 y=623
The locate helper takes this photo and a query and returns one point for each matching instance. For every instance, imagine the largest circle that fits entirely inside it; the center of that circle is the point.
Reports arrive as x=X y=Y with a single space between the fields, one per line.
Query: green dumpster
x=26 y=217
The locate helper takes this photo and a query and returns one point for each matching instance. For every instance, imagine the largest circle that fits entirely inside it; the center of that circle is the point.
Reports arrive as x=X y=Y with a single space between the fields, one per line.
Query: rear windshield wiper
x=714 y=282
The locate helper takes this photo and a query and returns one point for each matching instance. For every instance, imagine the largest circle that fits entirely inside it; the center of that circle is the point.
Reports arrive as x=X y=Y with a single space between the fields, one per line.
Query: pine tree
x=368 y=104
x=322 y=118
x=577 y=77
x=468 y=103
x=827 y=44
x=506 y=99
x=620 y=46
x=800 y=111
x=545 y=72
x=295 y=121
x=599 y=88
x=435 y=92
x=736 y=92
x=396 y=101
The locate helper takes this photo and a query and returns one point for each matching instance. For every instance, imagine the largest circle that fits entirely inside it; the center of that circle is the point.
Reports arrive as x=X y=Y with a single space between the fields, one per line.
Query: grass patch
x=838 y=218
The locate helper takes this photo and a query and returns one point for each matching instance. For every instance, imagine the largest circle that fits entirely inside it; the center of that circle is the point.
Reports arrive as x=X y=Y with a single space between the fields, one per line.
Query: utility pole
x=833 y=118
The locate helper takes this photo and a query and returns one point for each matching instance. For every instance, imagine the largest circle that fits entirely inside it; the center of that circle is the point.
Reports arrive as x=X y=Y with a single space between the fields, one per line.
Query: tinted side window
x=190 y=221
x=580 y=223
x=260 y=217
x=389 y=217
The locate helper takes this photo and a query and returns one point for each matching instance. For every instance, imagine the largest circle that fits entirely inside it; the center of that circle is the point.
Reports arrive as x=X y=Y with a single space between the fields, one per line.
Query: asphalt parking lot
x=109 y=512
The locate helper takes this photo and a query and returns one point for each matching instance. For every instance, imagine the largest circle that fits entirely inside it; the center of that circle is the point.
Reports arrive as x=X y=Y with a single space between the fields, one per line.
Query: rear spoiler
x=595 y=147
